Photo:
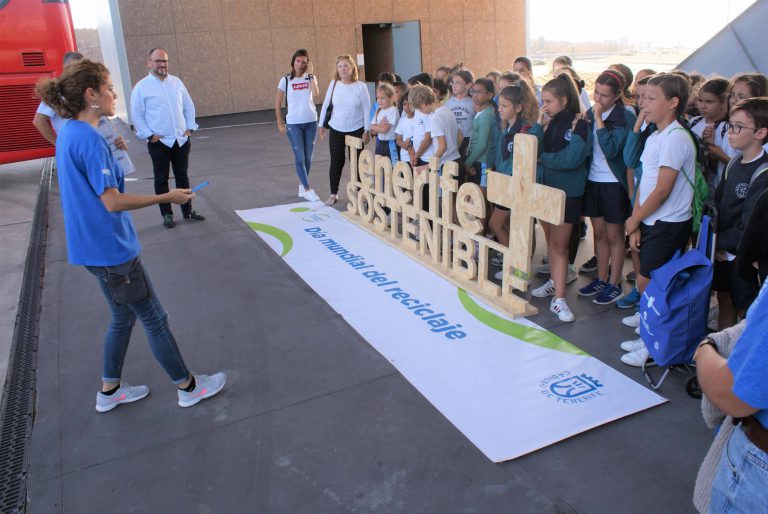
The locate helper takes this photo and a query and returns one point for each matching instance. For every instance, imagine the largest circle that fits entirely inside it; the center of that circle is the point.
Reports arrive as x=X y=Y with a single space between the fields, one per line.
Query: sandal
x=332 y=200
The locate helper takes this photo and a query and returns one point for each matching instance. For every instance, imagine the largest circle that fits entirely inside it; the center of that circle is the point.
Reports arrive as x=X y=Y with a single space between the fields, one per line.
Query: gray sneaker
x=205 y=387
x=124 y=394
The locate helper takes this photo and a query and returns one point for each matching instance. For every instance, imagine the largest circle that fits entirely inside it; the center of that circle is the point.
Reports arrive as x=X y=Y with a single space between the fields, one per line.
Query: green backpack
x=701 y=194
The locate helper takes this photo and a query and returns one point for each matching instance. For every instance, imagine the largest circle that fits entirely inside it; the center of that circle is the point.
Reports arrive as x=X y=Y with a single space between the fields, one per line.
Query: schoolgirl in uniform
x=606 y=200
x=518 y=108
x=565 y=144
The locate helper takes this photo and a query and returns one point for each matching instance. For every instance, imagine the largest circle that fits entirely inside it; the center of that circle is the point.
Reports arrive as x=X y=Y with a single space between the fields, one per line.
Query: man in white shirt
x=163 y=113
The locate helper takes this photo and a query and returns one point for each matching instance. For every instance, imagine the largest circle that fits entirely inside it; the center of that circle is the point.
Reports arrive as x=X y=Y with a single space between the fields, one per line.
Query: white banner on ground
x=511 y=387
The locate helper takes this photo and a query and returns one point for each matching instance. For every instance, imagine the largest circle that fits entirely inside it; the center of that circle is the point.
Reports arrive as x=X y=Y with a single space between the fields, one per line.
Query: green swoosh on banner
x=281 y=235
x=535 y=336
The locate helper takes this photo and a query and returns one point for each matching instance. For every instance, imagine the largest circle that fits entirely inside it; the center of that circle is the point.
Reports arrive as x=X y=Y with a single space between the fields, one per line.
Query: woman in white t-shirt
x=300 y=89
x=661 y=219
x=348 y=103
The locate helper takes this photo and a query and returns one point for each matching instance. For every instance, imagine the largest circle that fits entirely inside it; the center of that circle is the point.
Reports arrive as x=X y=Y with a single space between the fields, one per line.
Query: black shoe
x=168 y=221
x=589 y=266
x=194 y=216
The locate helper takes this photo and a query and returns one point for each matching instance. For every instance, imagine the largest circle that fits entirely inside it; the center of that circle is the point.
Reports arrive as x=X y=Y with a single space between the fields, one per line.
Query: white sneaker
x=301 y=191
x=547 y=289
x=559 y=307
x=636 y=358
x=632 y=321
x=632 y=345
x=205 y=387
x=572 y=274
x=310 y=195
x=124 y=394
x=543 y=269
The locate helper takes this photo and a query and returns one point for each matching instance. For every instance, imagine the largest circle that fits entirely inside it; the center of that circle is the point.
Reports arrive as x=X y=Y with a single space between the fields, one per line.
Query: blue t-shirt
x=86 y=168
x=749 y=360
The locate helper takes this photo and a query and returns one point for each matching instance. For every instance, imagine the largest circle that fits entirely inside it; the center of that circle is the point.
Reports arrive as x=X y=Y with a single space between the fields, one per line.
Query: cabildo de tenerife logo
x=570 y=388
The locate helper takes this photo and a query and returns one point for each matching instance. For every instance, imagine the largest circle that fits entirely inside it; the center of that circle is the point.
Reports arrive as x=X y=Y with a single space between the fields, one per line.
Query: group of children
x=627 y=159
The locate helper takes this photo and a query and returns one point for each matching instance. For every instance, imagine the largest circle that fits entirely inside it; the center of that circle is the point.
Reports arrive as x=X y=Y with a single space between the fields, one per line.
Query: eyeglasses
x=736 y=129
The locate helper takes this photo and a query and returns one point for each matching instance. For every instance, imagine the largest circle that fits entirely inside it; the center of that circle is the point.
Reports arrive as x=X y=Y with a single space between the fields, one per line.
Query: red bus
x=34 y=36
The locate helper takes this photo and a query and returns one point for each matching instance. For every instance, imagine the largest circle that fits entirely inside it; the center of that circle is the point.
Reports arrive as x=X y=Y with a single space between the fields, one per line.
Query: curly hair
x=66 y=94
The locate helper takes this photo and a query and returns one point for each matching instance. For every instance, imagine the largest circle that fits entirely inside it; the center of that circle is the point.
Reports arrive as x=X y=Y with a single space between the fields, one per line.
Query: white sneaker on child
x=547 y=289
x=559 y=307
x=310 y=195
x=632 y=321
x=636 y=358
x=632 y=345
x=301 y=191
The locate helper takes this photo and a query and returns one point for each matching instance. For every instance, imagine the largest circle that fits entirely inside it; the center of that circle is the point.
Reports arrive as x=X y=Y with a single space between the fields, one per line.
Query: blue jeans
x=302 y=138
x=741 y=483
x=155 y=321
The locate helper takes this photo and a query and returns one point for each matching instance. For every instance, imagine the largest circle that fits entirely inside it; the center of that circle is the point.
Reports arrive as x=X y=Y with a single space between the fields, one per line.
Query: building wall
x=231 y=53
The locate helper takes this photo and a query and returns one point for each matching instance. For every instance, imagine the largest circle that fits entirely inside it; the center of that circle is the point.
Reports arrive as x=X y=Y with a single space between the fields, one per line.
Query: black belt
x=755 y=432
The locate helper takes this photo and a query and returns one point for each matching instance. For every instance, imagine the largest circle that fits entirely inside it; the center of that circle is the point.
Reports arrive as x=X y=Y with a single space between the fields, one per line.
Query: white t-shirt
x=406 y=129
x=301 y=105
x=443 y=123
x=672 y=148
x=464 y=112
x=393 y=116
x=56 y=120
x=351 y=106
x=599 y=171
x=420 y=129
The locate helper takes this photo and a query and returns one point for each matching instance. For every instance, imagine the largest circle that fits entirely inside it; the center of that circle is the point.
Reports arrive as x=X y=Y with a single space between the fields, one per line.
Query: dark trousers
x=162 y=159
x=337 y=149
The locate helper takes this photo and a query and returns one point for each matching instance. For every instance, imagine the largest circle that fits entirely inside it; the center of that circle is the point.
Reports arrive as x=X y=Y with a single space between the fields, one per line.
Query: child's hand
x=634 y=240
x=709 y=135
x=597 y=109
x=543 y=119
x=471 y=171
x=632 y=224
x=384 y=124
x=640 y=121
x=576 y=120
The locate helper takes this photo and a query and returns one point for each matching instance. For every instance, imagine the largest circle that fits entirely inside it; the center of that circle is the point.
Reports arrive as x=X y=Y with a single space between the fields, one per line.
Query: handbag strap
x=333 y=88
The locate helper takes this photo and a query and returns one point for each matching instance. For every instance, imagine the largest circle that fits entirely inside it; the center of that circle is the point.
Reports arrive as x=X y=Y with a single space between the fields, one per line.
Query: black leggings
x=337 y=149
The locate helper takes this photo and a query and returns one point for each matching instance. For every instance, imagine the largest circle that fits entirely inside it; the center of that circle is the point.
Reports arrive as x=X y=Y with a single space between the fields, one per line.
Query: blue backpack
x=674 y=308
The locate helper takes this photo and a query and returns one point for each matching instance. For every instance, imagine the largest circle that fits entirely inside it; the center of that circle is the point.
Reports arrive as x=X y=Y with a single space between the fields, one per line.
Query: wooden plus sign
x=526 y=200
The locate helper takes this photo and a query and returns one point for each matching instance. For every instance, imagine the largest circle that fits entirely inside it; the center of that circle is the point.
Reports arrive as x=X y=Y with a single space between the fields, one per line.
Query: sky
x=689 y=23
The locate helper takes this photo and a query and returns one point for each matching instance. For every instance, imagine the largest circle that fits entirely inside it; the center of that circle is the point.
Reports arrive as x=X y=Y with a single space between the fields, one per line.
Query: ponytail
x=563 y=87
x=66 y=94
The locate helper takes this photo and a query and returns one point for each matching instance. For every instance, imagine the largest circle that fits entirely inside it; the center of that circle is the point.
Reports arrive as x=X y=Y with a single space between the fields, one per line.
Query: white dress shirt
x=163 y=108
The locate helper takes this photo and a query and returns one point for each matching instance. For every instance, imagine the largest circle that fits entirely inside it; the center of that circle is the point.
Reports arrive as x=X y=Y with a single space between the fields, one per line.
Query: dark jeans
x=155 y=321
x=162 y=159
x=337 y=148
x=302 y=138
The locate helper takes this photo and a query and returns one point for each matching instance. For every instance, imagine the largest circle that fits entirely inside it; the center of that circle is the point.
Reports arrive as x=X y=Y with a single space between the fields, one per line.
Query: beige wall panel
x=511 y=10
x=287 y=41
x=203 y=57
x=410 y=10
x=447 y=49
x=332 y=42
x=510 y=43
x=245 y=14
x=373 y=11
x=480 y=46
x=333 y=12
x=251 y=70
x=137 y=50
x=197 y=16
x=446 y=10
x=291 y=13
x=480 y=10
x=142 y=17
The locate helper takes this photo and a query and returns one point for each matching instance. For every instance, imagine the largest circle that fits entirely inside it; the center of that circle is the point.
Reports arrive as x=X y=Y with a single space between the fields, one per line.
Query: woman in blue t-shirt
x=101 y=235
